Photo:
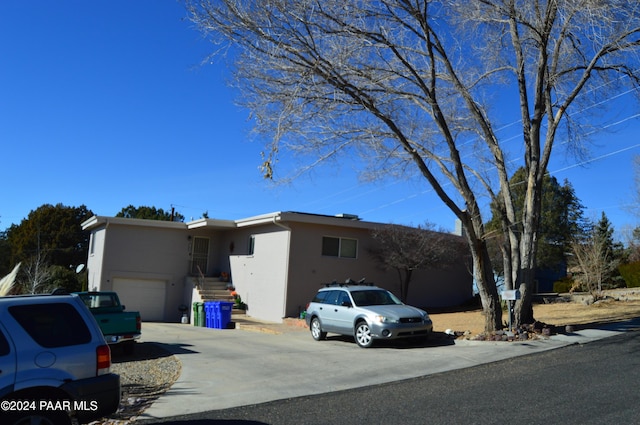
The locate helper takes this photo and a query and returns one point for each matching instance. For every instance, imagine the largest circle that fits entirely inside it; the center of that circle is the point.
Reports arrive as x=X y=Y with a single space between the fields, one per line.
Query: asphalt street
x=224 y=371
x=595 y=383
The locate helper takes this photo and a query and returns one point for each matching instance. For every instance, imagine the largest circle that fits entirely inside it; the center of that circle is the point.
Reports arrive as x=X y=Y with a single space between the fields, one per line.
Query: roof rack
x=350 y=282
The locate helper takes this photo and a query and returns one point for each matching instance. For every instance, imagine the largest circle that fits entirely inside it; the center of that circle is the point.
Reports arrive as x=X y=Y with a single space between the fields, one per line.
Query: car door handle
x=104 y=320
x=335 y=309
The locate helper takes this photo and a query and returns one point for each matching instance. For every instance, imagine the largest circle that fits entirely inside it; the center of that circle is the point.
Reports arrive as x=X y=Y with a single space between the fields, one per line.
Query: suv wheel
x=316 y=330
x=363 y=335
x=41 y=418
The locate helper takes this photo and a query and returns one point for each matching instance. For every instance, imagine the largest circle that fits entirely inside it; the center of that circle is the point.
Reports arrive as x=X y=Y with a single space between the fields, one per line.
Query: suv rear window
x=52 y=325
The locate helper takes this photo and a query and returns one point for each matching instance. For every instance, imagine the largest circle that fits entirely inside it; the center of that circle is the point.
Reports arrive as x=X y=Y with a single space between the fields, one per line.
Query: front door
x=343 y=313
x=199 y=256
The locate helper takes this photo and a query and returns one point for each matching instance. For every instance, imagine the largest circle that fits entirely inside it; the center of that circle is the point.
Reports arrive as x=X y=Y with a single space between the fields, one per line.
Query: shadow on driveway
x=436 y=339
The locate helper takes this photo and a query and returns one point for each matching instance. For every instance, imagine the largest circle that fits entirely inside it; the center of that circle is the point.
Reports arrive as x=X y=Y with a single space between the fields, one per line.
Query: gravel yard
x=144 y=377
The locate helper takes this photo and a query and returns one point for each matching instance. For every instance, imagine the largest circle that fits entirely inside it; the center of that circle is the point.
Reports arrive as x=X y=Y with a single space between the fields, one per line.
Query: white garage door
x=145 y=296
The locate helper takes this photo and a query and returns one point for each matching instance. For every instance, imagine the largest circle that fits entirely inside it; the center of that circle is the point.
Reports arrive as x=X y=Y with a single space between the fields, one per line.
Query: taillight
x=138 y=323
x=103 y=360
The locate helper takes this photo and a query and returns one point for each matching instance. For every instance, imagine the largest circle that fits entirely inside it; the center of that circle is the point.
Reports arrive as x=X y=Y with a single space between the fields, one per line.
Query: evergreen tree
x=561 y=221
x=55 y=231
x=51 y=237
x=612 y=250
x=150 y=213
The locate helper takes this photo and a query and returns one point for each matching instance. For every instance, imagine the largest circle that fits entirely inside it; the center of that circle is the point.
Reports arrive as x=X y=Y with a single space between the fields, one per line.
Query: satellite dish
x=79 y=268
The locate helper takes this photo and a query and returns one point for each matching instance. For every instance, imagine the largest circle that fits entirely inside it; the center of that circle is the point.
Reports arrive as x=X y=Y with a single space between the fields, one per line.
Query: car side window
x=332 y=297
x=320 y=297
x=52 y=325
x=4 y=345
x=343 y=298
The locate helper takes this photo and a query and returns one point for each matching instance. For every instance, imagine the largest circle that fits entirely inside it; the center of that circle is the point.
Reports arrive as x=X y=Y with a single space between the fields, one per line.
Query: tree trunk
x=528 y=245
x=404 y=284
x=483 y=276
x=485 y=280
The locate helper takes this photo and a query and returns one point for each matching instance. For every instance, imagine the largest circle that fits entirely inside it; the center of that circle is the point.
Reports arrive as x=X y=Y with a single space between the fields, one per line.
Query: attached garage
x=143 y=295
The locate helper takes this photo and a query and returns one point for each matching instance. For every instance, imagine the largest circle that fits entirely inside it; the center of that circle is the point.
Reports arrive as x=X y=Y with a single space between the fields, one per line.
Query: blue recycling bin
x=224 y=314
x=210 y=314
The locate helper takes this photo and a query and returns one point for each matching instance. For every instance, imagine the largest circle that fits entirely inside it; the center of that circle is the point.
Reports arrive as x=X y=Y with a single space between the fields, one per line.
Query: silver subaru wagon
x=366 y=312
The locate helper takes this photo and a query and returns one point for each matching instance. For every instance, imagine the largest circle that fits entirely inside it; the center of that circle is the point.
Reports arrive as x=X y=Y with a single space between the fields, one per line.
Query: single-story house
x=276 y=262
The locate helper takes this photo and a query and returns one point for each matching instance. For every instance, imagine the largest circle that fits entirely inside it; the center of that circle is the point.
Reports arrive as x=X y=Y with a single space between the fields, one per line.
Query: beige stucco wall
x=140 y=249
x=309 y=270
x=261 y=279
x=95 y=259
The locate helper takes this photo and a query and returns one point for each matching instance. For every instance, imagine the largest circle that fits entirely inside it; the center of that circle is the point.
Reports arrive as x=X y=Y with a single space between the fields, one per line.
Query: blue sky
x=106 y=104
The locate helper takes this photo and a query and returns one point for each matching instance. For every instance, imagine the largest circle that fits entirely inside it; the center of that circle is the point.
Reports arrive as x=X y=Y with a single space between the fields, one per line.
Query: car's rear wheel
x=363 y=335
x=316 y=330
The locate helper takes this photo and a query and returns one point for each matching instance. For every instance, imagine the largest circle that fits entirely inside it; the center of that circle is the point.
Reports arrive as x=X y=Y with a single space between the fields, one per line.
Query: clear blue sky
x=106 y=104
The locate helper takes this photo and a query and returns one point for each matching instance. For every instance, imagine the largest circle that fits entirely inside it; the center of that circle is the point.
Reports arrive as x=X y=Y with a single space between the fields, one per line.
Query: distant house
x=276 y=262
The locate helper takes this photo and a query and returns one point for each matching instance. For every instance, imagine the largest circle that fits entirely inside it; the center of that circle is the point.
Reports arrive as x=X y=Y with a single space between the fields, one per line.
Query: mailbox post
x=511 y=296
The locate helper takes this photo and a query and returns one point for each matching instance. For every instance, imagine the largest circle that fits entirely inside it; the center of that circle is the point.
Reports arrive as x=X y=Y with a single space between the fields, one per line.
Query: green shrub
x=631 y=274
x=563 y=285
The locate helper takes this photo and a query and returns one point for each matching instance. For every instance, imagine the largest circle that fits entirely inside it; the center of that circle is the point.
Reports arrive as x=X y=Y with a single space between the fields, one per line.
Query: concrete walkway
x=261 y=362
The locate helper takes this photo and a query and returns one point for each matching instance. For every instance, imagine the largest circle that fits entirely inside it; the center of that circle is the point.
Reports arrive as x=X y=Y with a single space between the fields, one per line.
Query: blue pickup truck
x=118 y=326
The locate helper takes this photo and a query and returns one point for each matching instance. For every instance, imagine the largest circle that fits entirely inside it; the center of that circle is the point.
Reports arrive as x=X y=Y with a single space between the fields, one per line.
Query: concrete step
x=215 y=293
x=214 y=284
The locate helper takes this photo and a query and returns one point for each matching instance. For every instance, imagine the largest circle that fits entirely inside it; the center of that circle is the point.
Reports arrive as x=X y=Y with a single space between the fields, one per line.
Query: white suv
x=54 y=362
x=366 y=312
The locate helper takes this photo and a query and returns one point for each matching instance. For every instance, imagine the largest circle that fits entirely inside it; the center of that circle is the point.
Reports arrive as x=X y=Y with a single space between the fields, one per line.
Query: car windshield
x=365 y=298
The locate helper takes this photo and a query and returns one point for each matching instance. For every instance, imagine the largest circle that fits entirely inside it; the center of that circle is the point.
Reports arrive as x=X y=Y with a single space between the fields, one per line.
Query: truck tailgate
x=118 y=324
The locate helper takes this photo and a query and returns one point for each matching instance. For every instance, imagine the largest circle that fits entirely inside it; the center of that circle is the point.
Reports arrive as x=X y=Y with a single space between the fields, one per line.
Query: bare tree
x=37 y=274
x=422 y=88
x=593 y=262
x=407 y=249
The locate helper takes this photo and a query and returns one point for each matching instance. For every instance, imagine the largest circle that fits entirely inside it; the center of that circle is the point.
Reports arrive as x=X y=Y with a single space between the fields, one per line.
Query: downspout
x=286 y=279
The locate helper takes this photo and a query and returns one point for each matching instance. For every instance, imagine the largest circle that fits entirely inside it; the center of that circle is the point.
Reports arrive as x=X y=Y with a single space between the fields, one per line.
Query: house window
x=252 y=244
x=339 y=247
x=92 y=244
x=200 y=256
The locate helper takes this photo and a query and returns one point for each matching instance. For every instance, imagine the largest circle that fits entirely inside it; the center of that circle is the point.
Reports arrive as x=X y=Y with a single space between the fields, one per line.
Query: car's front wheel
x=316 y=330
x=363 y=335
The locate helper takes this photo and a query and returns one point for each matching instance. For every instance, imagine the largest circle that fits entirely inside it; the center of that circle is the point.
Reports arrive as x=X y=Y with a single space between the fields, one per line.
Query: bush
x=631 y=274
x=563 y=285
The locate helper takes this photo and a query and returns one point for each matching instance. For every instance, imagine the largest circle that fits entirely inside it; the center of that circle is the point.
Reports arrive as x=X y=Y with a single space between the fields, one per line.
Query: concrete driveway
x=230 y=368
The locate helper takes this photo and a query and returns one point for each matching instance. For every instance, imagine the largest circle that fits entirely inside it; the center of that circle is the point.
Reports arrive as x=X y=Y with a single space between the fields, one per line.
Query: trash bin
x=224 y=311
x=198 y=314
x=210 y=314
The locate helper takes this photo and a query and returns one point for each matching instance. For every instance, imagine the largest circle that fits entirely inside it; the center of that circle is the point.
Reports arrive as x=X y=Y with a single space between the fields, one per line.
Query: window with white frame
x=252 y=244
x=339 y=247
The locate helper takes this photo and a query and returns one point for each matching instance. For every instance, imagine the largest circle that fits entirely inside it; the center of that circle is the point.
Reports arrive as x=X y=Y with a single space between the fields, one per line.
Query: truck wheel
x=128 y=347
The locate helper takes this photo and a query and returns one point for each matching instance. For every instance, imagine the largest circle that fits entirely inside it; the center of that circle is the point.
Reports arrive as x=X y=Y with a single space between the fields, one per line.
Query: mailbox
x=511 y=295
